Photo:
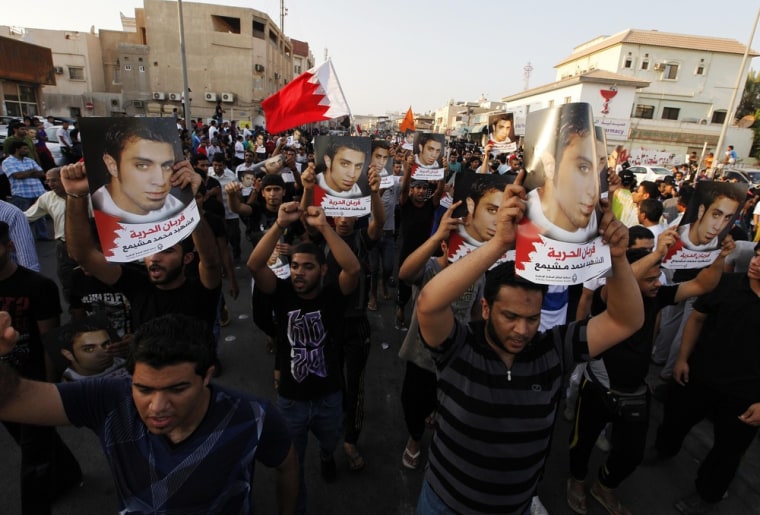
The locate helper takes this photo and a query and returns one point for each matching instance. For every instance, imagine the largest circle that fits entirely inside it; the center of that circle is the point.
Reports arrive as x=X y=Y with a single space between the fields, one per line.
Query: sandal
x=372 y=305
x=409 y=460
x=355 y=460
x=576 y=499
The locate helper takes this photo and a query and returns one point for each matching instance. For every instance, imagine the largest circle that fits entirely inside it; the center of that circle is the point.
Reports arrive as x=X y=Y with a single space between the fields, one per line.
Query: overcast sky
x=392 y=54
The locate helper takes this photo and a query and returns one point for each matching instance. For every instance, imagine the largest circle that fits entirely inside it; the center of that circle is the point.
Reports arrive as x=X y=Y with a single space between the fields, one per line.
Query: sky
x=393 y=54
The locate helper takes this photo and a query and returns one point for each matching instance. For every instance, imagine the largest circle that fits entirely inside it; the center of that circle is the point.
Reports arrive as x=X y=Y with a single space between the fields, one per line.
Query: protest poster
x=481 y=196
x=711 y=213
x=129 y=163
x=558 y=240
x=342 y=187
x=428 y=149
x=501 y=134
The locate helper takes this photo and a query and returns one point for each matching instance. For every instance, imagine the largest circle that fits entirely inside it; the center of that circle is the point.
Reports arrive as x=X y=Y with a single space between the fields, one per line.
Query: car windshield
x=661 y=171
x=754 y=177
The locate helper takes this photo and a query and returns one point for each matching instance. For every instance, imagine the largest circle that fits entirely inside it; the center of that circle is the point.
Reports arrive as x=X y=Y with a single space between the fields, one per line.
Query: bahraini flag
x=313 y=96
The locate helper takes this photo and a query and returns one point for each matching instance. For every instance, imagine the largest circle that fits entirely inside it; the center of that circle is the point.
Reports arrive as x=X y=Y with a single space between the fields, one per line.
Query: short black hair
x=650 y=188
x=380 y=143
x=124 y=129
x=15 y=145
x=310 y=248
x=485 y=183
x=634 y=255
x=172 y=339
x=638 y=232
x=504 y=275
x=69 y=331
x=652 y=209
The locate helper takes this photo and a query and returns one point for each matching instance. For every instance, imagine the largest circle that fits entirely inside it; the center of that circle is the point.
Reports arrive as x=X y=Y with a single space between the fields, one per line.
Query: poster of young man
x=558 y=240
x=428 y=152
x=709 y=216
x=130 y=163
x=481 y=196
x=342 y=187
x=408 y=142
x=501 y=134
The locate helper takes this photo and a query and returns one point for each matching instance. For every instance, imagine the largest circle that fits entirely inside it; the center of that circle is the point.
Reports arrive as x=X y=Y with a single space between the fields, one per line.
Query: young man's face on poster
x=482 y=225
x=713 y=220
x=501 y=130
x=344 y=168
x=380 y=158
x=430 y=152
x=140 y=179
x=575 y=183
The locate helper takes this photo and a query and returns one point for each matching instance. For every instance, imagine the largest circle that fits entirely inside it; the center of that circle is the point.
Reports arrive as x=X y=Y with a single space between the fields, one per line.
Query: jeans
x=417 y=398
x=382 y=257
x=324 y=418
x=39 y=227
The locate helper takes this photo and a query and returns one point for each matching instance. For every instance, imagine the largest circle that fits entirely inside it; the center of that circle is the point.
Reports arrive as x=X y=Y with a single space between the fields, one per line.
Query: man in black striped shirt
x=499 y=379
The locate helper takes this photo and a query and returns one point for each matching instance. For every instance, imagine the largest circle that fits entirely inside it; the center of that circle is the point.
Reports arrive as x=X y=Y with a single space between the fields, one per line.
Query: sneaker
x=537 y=507
x=607 y=498
x=692 y=504
x=329 y=470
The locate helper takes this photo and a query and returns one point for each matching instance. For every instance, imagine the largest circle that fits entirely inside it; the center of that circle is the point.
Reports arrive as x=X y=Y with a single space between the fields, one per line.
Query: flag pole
x=340 y=87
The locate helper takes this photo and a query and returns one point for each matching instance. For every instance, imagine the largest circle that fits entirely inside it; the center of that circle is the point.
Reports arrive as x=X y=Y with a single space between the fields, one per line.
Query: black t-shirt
x=627 y=363
x=416 y=223
x=148 y=302
x=308 y=349
x=212 y=204
x=360 y=244
x=727 y=353
x=28 y=297
x=97 y=298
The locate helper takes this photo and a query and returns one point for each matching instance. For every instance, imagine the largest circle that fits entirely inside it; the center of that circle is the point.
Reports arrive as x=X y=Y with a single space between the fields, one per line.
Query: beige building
x=235 y=56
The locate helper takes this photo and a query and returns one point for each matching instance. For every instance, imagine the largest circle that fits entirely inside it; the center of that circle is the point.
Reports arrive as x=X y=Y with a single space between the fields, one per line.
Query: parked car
x=748 y=176
x=649 y=173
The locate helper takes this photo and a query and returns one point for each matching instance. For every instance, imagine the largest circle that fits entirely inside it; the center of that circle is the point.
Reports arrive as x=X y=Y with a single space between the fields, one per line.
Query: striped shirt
x=495 y=424
x=25 y=253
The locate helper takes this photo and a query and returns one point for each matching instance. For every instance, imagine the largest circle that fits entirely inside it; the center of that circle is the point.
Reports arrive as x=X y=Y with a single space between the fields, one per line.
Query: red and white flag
x=313 y=96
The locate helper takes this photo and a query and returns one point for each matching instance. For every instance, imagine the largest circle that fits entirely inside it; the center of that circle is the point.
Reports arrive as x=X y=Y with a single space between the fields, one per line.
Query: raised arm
x=79 y=242
x=350 y=268
x=21 y=400
x=709 y=277
x=434 y=312
x=412 y=267
x=625 y=309
x=234 y=199
x=266 y=280
x=375 y=228
x=406 y=179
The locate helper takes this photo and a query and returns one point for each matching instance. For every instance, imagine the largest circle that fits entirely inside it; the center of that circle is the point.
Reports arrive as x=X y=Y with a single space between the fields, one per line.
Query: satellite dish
x=746 y=122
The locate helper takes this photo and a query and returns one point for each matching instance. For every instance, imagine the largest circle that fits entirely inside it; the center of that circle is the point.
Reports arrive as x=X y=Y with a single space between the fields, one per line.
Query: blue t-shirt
x=209 y=472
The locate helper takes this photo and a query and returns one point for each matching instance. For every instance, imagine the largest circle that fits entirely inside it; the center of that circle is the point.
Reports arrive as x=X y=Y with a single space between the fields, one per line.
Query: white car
x=649 y=173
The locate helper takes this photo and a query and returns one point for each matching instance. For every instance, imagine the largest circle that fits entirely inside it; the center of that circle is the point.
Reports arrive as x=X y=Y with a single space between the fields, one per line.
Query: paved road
x=384 y=487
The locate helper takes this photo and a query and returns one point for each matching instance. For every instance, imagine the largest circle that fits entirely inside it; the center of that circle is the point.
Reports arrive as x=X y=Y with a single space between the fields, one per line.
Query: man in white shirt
x=231 y=219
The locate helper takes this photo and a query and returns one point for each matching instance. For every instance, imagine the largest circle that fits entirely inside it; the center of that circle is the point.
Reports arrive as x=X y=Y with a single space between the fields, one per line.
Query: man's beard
x=491 y=332
x=170 y=276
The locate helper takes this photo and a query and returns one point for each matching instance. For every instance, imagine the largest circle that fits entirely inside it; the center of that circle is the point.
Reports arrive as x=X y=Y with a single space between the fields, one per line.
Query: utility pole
x=732 y=103
x=283 y=13
x=185 y=86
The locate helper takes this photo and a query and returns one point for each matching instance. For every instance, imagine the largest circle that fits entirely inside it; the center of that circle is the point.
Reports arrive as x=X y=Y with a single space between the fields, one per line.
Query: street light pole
x=732 y=103
x=186 y=88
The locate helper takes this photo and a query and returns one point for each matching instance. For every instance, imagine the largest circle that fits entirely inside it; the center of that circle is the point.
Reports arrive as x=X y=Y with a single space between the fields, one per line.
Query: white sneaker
x=536 y=507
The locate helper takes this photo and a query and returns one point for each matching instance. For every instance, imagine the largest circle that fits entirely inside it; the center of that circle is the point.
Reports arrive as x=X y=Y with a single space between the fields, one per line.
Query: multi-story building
x=236 y=56
x=24 y=70
x=303 y=59
x=652 y=91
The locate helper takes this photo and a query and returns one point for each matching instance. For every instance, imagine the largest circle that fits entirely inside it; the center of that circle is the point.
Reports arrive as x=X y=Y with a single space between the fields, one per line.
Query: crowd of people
x=486 y=351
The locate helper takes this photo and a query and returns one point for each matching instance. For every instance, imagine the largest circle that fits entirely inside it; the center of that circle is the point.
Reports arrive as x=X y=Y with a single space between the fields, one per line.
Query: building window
x=700 y=68
x=645 y=64
x=568 y=100
x=258 y=28
x=273 y=38
x=76 y=73
x=117 y=73
x=670 y=72
x=297 y=69
x=225 y=24
x=670 y=113
x=127 y=67
x=628 y=61
x=141 y=68
x=643 y=111
x=718 y=116
x=551 y=103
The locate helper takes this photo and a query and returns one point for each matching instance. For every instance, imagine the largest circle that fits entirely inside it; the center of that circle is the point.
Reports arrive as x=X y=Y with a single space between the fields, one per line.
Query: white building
x=652 y=91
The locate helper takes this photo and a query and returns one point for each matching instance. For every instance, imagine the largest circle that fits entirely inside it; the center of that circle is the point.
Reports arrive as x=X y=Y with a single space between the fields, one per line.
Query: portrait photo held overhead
x=342 y=187
x=141 y=189
x=558 y=241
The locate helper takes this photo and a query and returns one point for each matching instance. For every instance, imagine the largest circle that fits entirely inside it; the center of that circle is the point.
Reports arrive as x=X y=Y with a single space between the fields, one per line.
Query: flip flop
x=409 y=460
x=576 y=500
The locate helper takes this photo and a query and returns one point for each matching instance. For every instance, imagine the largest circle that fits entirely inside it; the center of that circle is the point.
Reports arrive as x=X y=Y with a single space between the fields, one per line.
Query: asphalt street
x=384 y=486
